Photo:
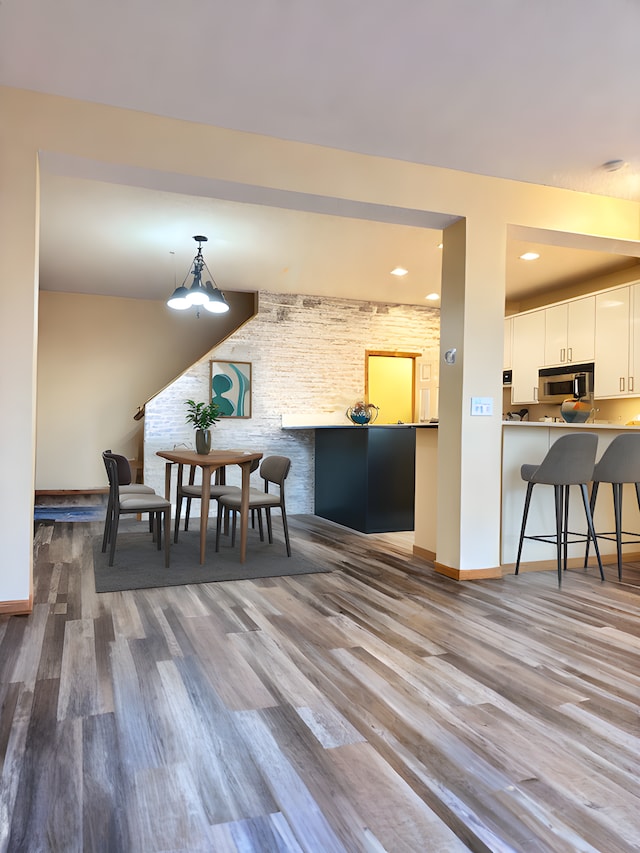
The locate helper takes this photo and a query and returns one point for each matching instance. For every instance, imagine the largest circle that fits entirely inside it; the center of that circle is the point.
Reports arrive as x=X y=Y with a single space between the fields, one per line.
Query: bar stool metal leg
x=525 y=513
x=592 y=532
x=560 y=544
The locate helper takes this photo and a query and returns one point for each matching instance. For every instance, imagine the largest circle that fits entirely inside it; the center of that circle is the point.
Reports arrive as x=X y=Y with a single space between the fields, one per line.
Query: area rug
x=139 y=565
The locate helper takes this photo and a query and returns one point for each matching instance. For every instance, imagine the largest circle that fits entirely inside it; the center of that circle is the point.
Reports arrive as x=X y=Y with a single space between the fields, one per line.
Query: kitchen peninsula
x=365 y=475
x=528 y=442
x=365 y=481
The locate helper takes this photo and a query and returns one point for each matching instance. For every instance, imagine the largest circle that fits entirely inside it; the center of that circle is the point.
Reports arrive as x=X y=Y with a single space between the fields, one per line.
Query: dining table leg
x=167 y=480
x=244 y=509
x=204 y=510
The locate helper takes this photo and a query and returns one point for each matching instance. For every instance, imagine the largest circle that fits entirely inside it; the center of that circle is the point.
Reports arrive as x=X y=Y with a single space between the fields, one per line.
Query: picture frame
x=230 y=387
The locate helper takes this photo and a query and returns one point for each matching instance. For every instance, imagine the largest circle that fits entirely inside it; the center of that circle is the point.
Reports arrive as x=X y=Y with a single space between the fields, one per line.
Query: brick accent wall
x=308 y=357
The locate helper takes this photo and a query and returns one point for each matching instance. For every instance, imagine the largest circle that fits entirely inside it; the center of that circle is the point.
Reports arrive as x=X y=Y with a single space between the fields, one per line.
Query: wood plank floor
x=379 y=707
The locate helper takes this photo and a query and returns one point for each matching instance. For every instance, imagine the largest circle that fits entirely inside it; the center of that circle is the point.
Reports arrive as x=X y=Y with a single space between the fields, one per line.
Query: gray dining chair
x=619 y=464
x=274 y=471
x=134 y=503
x=126 y=486
x=569 y=462
x=193 y=491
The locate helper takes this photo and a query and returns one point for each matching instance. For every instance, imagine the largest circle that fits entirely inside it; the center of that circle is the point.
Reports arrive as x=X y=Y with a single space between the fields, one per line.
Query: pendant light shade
x=198 y=294
x=216 y=303
x=178 y=299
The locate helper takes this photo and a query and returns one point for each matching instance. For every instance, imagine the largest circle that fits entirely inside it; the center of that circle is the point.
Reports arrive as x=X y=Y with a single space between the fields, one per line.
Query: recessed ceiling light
x=433 y=296
x=529 y=256
x=399 y=271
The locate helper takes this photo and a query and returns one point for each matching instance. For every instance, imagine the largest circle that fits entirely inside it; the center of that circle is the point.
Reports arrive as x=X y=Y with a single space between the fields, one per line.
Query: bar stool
x=569 y=462
x=620 y=464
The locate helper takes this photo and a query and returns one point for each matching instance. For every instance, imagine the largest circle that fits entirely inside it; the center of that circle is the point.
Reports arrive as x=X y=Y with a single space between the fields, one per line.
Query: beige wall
x=33 y=123
x=592 y=285
x=99 y=359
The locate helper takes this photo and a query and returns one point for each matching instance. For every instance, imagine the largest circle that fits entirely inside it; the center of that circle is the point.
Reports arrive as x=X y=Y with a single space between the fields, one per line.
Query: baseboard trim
x=101 y=491
x=572 y=563
x=16 y=608
x=467 y=574
x=424 y=553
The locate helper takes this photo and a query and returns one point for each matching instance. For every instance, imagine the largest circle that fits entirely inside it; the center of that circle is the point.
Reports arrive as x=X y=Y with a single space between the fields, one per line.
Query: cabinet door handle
x=631 y=383
x=622 y=383
x=570 y=354
x=535 y=394
x=562 y=355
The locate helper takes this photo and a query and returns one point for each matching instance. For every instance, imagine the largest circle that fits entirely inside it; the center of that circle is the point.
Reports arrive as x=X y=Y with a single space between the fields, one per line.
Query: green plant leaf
x=202 y=415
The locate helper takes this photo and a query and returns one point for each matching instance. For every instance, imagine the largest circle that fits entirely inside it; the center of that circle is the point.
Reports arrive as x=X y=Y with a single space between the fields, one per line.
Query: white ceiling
x=543 y=92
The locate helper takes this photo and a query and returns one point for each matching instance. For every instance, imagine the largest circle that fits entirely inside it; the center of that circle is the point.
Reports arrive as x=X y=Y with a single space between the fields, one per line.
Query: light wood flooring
x=379 y=707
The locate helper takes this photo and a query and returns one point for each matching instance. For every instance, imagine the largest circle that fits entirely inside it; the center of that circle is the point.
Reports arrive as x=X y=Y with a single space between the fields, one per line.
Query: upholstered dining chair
x=136 y=503
x=126 y=486
x=192 y=491
x=125 y=476
x=273 y=470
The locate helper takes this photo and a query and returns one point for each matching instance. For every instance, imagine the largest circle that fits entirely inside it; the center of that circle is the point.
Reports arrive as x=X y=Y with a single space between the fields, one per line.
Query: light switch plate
x=481 y=406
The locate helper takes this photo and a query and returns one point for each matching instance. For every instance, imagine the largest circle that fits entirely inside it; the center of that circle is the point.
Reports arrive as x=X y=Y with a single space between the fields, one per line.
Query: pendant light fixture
x=199 y=295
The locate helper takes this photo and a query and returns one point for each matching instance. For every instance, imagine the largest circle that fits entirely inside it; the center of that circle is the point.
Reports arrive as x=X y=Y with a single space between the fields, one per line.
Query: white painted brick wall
x=307 y=355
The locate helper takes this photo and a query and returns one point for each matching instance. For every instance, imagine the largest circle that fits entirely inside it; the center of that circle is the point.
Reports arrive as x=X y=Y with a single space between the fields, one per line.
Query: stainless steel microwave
x=555 y=384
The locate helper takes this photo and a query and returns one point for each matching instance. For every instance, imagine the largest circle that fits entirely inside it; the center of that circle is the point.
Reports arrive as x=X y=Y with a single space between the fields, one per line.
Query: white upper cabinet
x=613 y=340
x=570 y=332
x=603 y=328
x=508 y=330
x=527 y=355
x=633 y=382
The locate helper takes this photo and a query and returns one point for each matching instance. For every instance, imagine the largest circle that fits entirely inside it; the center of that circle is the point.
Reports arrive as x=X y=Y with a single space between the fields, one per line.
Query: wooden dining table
x=209 y=463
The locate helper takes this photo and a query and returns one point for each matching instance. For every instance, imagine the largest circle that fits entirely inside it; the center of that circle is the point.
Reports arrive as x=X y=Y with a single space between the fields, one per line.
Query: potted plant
x=202 y=416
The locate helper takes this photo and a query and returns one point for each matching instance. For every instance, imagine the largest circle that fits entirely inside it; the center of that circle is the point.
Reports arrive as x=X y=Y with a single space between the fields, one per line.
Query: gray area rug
x=139 y=565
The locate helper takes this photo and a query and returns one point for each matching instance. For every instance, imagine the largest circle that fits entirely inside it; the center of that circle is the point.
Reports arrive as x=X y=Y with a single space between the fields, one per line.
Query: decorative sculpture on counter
x=362 y=413
x=576 y=411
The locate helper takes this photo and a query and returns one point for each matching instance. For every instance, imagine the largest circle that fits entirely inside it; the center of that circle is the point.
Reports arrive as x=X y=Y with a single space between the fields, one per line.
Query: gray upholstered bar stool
x=619 y=464
x=569 y=462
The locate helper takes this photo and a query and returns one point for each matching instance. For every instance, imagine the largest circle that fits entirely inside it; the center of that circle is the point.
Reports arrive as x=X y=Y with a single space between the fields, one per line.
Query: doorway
x=390 y=381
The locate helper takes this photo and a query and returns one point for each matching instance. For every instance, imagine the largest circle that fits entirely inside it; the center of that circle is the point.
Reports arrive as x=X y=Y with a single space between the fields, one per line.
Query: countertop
x=563 y=425
x=360 y=426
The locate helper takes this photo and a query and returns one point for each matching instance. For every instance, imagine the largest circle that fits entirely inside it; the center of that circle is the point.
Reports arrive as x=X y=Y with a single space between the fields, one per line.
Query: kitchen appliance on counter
x=556 y=384
x=522 y=415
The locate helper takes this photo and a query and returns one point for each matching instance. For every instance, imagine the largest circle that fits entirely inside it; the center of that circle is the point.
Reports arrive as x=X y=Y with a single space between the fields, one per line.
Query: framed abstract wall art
x=230 y=387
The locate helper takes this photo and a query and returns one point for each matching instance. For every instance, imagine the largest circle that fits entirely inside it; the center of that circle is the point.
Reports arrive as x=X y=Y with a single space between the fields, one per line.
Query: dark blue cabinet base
x=365 y=477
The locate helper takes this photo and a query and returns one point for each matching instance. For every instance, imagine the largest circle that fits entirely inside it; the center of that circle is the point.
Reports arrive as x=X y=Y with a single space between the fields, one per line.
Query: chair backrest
x=124 y=469
x=112 y=473
x=620 y=463
x=274 y=469
x=569 y=461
